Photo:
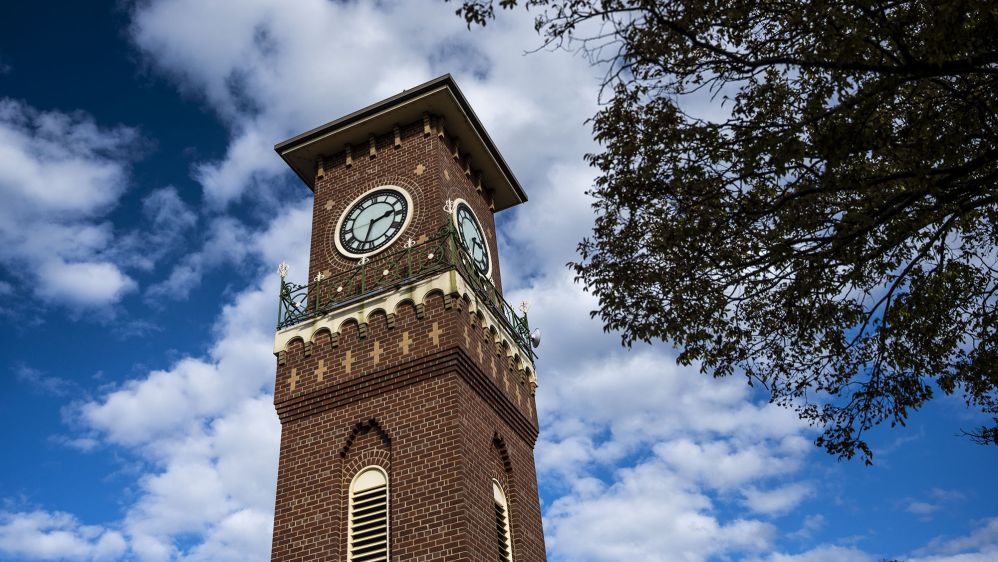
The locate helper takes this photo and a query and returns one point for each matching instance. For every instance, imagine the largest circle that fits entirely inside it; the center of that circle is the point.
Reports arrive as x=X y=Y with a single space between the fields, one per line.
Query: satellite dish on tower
x=535 y=338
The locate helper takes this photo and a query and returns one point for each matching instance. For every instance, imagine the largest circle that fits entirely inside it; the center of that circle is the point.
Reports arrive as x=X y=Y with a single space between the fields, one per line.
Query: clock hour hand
x=477 y=242
x=370 y=224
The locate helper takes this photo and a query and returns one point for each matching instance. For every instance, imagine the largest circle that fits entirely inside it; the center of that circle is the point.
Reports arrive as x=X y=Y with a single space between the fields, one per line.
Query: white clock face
x=373 y=221
x=472 y=236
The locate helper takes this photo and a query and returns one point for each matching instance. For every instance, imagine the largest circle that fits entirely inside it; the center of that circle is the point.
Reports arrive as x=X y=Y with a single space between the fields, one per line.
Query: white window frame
x=499 y=498
x=357 y=479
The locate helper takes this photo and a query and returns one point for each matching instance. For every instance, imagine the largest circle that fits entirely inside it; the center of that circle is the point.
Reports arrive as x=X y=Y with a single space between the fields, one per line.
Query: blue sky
x=145 y=212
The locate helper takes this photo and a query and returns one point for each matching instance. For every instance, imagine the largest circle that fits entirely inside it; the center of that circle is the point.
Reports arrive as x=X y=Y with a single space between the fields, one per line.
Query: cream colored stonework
x=435 y=334
x=447 y=283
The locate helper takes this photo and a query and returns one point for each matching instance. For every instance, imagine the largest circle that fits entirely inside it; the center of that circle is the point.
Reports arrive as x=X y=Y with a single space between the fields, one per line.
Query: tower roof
x=439 y=96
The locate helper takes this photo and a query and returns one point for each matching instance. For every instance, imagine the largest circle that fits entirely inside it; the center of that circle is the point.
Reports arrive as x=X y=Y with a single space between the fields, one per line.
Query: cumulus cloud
x=59 y=176
x=206 y=426
x=648 y=513
x=83 y=283
x=216 y=484
x=979 y=545
x=42 y=535
x=208 y=431
x=180 y=398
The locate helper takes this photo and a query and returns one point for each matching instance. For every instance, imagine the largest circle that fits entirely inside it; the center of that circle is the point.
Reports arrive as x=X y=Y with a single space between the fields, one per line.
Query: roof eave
x=439 y=96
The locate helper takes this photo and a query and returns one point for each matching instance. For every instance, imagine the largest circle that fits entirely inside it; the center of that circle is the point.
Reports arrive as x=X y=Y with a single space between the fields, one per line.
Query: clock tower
x=405 y=382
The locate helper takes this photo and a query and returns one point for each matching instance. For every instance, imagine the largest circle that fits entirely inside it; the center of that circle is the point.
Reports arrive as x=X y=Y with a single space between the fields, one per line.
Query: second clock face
x=472 y=236
x=373 y=221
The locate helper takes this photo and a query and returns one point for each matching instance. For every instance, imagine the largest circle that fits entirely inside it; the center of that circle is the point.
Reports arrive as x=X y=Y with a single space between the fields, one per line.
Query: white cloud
x=921 y=508
x=228 y=243
x=647 y=514
x=59 y=176
x=41 y=535
x=823 y=553
x=776 y=501
x=810 y=525
x=979 y=545
x=206 y=426
x=83 y=283
x=239 y=365
x=168 y=220
x=208 y=430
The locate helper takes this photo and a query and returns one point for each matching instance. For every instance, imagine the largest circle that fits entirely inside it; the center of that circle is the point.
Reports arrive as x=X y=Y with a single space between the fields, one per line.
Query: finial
x=319 y=277
x=524 y=306
x=282 y=269
x=409 y=243
x=449 y=206
x=364 y=260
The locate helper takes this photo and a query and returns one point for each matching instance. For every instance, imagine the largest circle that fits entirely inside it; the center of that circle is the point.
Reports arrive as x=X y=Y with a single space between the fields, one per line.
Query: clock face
x=373 y=221
x=472 y=236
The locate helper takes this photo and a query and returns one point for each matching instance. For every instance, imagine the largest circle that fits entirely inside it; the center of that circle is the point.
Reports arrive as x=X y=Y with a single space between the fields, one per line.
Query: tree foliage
x=827 y=227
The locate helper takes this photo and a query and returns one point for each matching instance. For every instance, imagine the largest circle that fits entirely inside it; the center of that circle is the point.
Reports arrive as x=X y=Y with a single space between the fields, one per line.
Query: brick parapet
x=351 y=361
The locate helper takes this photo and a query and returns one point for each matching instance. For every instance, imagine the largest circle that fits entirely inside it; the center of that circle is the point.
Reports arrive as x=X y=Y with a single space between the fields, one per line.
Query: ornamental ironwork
x=389 y=271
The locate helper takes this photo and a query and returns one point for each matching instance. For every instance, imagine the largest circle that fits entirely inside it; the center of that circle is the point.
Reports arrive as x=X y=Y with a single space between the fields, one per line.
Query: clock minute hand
x=370 y=224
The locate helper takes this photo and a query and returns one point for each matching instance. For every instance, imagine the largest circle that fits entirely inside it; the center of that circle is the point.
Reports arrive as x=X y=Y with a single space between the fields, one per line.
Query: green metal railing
x=390 y=271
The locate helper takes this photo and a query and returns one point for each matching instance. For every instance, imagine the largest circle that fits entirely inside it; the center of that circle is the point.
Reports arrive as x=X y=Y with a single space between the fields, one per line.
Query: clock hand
x=370 y=224
x=477 y=242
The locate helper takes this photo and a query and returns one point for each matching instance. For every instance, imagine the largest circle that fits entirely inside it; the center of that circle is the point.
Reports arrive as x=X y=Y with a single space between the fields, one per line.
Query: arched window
x=503 y=536
x=367 y=538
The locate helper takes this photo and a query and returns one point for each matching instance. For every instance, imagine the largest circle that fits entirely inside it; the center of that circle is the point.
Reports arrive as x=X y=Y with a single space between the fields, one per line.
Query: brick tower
x=405 y=381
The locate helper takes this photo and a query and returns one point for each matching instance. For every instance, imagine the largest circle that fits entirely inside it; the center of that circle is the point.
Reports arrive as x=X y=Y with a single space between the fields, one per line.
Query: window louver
x=368 y=538
x=502 y=524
